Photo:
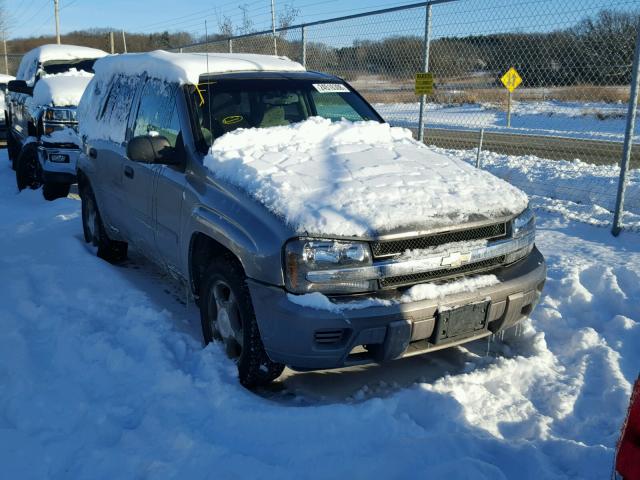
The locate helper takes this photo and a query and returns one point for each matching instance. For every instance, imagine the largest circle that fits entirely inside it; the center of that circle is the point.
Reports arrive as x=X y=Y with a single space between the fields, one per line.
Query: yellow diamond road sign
x=511 y=79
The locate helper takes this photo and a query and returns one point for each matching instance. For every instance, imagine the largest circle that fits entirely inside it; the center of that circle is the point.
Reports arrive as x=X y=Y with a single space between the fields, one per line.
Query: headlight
x=524 y=223
x=64 y=115
x=523 y=226
x=309 y=255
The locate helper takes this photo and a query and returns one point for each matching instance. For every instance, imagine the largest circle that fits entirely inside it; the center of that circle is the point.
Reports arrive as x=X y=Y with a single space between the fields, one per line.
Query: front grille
x=445 y=274
x=396 y=247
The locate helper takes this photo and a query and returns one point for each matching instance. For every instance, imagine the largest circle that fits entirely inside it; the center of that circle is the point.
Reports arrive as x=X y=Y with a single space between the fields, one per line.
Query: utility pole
x=124 y=41
x=6 y=60
x=112 y=43
x=273 y=27
x=57 y=14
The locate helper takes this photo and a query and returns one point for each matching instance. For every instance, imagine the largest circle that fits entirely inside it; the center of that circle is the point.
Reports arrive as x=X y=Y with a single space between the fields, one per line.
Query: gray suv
x=274 y=292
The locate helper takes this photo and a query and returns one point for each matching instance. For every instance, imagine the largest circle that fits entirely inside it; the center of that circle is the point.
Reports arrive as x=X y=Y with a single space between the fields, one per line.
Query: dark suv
x=275 y=290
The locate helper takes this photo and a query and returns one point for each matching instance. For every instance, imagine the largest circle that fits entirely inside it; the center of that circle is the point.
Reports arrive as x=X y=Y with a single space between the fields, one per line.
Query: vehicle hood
x=63 y=90
x=359 y=179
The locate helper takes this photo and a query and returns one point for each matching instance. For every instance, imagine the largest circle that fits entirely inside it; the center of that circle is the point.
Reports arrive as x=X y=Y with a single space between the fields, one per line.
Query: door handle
x=128 y=171
x=93 y=153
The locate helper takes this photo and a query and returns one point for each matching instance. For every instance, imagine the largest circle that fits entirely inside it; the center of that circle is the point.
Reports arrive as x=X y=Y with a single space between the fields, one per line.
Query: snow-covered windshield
x=226 y=105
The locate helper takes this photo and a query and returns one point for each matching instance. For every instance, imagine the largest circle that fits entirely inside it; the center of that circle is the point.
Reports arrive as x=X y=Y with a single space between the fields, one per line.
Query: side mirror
x=152 y=149
x=19 y=86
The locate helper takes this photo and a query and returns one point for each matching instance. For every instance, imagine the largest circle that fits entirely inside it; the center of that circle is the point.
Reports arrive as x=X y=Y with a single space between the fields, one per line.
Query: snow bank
x=595 y=120
x=187 y=67
x=103 y=375
x=577 y=190
x=61 y=90
x=355 y=179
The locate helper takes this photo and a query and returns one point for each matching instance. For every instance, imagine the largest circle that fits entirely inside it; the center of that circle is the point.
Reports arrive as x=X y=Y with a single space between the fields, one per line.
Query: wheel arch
x=203 y=249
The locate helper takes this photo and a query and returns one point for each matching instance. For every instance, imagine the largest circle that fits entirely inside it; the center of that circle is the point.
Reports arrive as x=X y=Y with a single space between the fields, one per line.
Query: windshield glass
x=225 y=105
x=64 y=66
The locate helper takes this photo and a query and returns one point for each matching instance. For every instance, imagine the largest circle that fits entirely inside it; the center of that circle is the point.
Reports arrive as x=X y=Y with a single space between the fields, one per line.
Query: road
x=598 y=152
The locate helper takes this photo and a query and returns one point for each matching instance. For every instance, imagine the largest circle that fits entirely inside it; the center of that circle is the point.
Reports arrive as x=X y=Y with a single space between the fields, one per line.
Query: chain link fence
x=560 y=136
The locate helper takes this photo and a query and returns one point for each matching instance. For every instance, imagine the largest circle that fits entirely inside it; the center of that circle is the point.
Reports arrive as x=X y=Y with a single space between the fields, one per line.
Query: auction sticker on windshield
x=330 y=88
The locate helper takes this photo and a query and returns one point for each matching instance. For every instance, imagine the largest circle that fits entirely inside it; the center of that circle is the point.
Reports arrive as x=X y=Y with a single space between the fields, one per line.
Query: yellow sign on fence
x=511 y=79
x=424 y=83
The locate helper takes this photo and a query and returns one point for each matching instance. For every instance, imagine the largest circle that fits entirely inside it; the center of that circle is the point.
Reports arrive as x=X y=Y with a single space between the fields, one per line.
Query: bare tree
x=246 y=25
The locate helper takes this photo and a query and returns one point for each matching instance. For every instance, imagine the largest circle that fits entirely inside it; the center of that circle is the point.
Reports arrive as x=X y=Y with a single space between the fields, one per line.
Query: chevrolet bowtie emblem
x=455 y=259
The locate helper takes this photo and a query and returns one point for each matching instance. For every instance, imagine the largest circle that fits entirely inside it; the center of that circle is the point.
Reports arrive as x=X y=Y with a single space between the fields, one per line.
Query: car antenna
x=206 y=42
x=206 y=39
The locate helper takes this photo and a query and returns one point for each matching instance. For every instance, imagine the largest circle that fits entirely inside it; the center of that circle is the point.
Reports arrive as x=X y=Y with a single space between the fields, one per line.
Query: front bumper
x=306 y=339
x=55 y=172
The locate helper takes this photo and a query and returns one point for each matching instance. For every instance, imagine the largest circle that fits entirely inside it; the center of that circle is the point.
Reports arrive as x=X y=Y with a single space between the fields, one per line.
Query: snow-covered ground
x=102 y=373
x=578 y=190
x=594 y=120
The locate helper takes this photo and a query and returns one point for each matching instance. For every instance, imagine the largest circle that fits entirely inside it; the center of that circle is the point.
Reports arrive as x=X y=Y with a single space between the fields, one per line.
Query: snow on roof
x=187 y=67
x=61 y=90
x=357 y=179
x=46 y=53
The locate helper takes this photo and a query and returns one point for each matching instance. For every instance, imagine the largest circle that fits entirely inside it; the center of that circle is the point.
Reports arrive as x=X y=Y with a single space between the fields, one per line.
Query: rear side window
x=157 y=113
x=115 y=113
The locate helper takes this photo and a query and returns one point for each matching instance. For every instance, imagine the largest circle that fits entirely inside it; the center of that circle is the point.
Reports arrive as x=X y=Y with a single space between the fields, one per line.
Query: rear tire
x=112 y=251
x=28 y=172
x=53 y=191
x=226 y=313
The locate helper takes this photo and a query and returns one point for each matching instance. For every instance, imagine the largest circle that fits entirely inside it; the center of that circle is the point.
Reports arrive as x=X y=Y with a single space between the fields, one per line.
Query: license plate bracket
x=459 y=322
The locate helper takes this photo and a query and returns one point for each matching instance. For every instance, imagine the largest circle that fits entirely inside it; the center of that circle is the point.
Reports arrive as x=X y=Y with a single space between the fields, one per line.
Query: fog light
x=58 y=158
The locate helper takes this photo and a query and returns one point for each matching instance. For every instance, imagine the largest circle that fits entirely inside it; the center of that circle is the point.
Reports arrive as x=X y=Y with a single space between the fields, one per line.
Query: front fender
x=259 y=260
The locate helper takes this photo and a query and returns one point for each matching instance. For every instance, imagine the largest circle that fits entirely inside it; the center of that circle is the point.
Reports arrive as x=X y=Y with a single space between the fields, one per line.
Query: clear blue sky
x=35 y=17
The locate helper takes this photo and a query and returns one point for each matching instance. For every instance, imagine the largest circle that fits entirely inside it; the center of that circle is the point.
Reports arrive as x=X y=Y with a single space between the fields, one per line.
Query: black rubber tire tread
x=112 y=251
x=13 y=149
x=255 y=368
x=24 y=168
x=53 y=191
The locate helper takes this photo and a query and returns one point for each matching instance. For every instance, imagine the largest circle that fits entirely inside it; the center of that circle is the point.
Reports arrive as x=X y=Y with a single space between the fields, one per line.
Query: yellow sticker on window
x=232 y=120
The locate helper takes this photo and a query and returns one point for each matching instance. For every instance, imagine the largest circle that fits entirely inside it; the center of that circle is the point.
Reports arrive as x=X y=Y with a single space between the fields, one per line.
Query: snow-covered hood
x=357 y=179
x=62 y=90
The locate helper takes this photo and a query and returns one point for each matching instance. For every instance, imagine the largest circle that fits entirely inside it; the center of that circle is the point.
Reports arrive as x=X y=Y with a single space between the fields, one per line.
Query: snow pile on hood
x=355 y=179
x=62 y=90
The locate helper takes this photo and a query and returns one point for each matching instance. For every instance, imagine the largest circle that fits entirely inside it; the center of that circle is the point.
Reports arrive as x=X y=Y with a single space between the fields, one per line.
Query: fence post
x=425 y=69
x=480 y=139
x=304 y=47
x=628 y=138
x=230 y=42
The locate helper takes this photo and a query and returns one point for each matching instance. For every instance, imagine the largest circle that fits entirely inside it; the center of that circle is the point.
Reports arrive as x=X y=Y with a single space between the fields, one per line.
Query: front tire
x=53 y=191
x=13 y=149
x=226 y=313
x=110 y=250
x=28 y=172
